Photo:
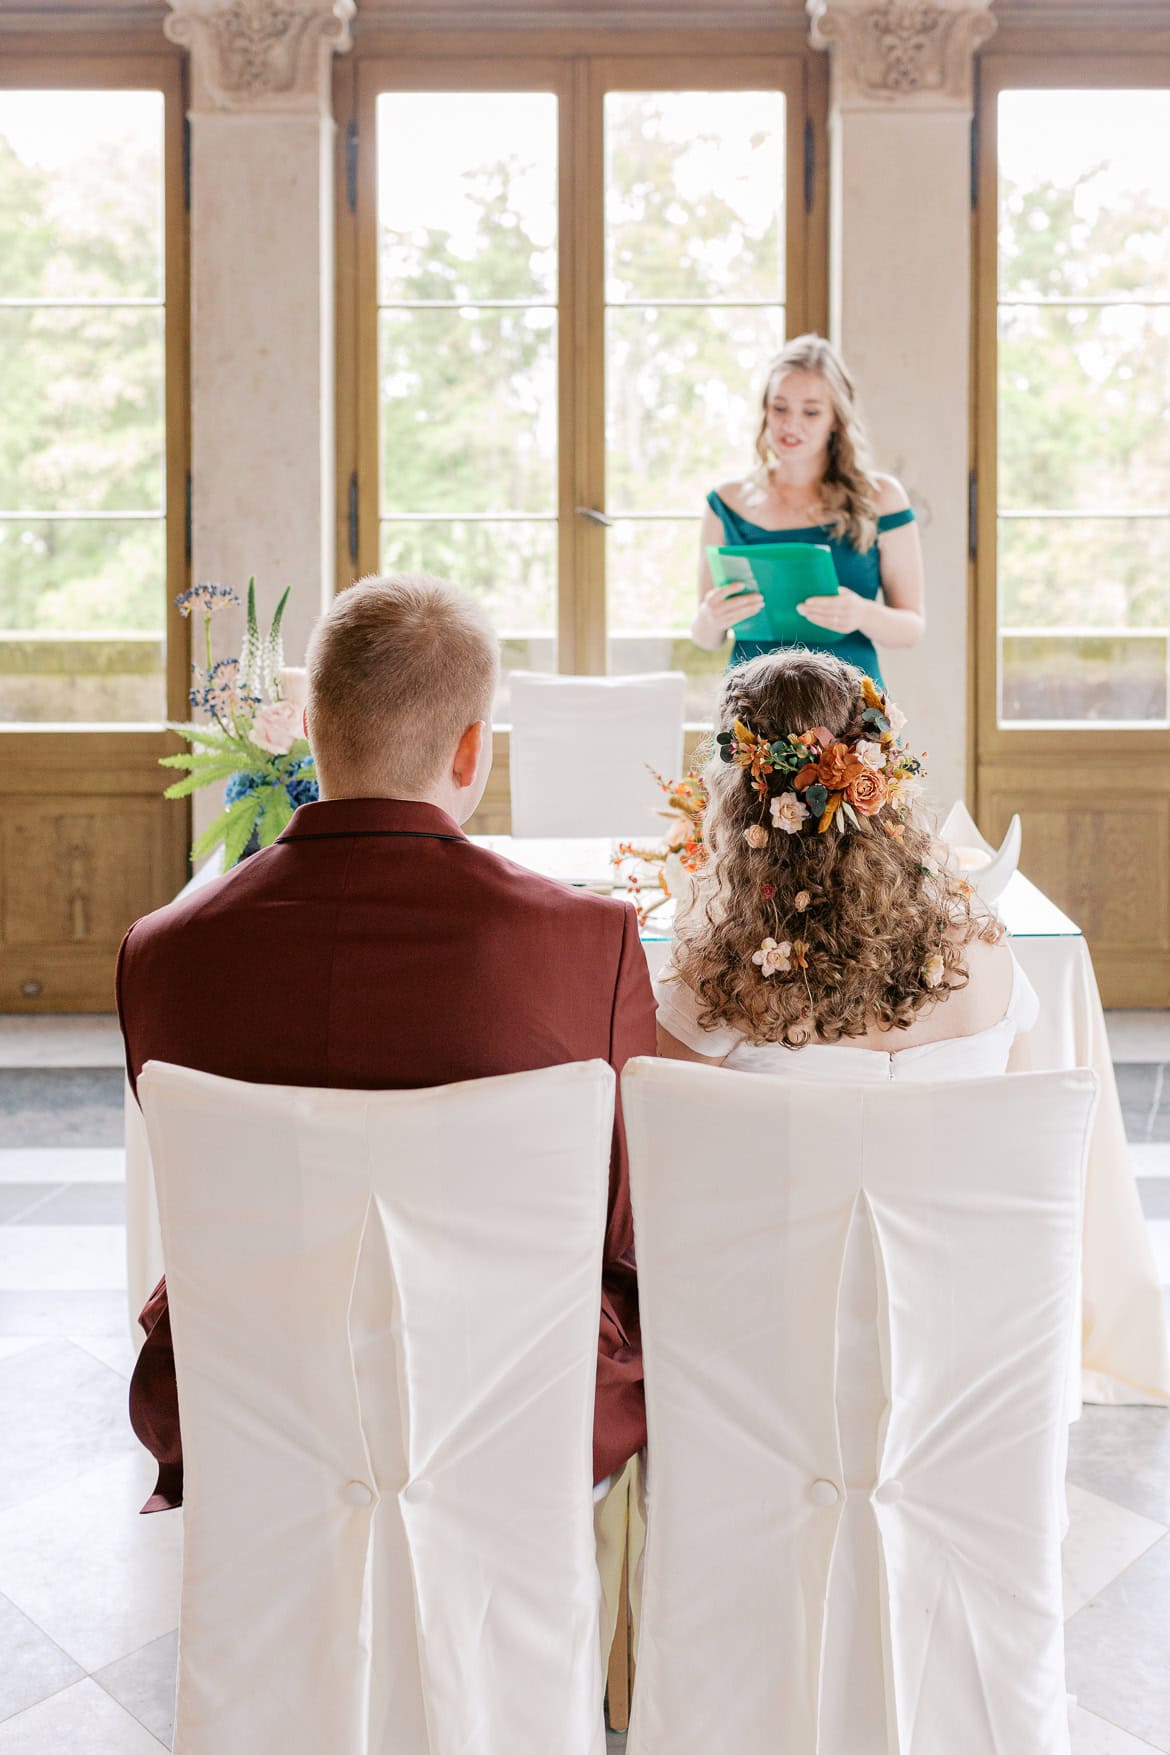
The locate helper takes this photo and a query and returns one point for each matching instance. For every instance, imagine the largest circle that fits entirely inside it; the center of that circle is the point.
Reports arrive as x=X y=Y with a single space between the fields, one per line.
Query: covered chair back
x=856 y=1316
x=385 y=1312
x=581 y=749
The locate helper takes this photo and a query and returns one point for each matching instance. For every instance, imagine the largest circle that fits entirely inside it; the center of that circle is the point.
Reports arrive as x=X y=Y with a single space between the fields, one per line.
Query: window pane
x=468 y=411
x=1063 y=678
x=694 y=195
x=81 y=195
x=82 y=424
x=467 y=223
x=510 y=567
x=683 y=400
x=1084 y=195
x=1084 y=405
x=1084 y=395
x=82 y=408
x=695 y=243
x=1084 y=573
x=652 y=566
x=467 y=185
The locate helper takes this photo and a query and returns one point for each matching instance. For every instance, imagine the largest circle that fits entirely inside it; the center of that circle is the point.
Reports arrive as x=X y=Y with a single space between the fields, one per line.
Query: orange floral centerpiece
x=677 y=858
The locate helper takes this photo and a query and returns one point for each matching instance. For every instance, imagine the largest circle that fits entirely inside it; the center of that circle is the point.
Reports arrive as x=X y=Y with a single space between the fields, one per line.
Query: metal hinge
x=351 y=166
x=353 y=518
x=810 y=164
x=186 y=164
x=187 y=518
x=972 y=515
x=975 y=161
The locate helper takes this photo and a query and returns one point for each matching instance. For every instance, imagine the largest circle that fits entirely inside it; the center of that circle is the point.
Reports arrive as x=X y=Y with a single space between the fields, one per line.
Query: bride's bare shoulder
x=990 y=972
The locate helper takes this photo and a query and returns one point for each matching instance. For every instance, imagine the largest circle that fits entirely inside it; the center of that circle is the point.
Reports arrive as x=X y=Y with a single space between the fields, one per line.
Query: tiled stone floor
x=88 y=1589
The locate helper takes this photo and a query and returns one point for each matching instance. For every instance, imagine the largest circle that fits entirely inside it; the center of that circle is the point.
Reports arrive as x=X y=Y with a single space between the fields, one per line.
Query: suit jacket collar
x=337 y=819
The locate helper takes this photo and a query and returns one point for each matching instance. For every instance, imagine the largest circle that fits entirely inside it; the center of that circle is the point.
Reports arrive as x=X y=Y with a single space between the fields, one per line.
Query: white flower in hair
x=870 y=755
x=896 y=717
x=772 y=957
x=789 y=813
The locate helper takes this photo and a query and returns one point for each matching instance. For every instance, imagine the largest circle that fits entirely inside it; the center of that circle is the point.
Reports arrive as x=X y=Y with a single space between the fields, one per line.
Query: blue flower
x=301 y=787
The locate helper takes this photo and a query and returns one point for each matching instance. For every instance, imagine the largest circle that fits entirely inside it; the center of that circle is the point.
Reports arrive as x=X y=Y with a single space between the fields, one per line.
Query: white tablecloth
x=1125 y=1353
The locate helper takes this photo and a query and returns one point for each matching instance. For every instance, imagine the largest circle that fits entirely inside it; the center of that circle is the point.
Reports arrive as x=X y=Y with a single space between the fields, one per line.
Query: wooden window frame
x=578 y=66
x=108 y=62
x=1025 y=66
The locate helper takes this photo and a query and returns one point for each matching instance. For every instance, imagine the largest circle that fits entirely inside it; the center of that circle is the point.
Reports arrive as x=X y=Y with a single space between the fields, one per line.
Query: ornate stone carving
x=258 y=55
x=918 y=53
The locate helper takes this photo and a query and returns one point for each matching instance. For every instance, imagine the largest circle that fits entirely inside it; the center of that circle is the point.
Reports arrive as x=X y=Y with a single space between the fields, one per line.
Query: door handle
x=593 y=516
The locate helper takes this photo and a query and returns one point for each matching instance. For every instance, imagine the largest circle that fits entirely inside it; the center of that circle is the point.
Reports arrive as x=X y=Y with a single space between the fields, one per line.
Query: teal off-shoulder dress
x=855 y=571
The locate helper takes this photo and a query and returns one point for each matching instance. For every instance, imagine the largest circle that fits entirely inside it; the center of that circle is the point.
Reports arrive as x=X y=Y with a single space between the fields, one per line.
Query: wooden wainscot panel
x=75 y=871
x=1102 y=853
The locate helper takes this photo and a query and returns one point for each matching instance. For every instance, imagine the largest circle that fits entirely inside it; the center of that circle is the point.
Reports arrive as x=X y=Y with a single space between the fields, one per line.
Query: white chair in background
x=856 y=1317
x=581 y=747
x=385 y=1311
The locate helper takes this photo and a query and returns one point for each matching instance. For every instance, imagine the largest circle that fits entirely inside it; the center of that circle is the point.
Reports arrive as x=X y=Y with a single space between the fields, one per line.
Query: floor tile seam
x=1118 y=1577
x=49 y=1640
x=1091 y=1712
x=1159 y=1086
x=53 y=1191
x=96 y=1676
x=12 y=1718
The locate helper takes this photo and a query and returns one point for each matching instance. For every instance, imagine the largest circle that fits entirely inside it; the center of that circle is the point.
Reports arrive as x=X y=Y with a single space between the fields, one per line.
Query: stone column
x=262 y=346
x=901 y=101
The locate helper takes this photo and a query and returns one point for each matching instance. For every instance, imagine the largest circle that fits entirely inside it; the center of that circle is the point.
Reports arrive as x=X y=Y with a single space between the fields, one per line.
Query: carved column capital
x=917 y=54
x=257 y=56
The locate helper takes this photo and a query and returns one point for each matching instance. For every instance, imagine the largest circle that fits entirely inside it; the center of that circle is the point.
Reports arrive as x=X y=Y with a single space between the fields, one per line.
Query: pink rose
x=277 y=727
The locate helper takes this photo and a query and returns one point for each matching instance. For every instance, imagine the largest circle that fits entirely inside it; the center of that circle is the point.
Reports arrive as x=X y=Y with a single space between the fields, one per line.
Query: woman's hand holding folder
x=721 y=608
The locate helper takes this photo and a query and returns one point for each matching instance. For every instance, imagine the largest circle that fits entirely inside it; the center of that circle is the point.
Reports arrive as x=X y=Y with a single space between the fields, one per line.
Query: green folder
x=784 y=573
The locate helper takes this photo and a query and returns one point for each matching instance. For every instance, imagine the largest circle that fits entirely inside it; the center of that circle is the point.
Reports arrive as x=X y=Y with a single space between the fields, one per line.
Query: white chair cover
x=581 y=747
x=385 y=1310
x=854 y=1494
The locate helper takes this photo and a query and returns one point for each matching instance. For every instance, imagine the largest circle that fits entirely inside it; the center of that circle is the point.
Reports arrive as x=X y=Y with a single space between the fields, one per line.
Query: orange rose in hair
x=838 y=767
x=867 y=792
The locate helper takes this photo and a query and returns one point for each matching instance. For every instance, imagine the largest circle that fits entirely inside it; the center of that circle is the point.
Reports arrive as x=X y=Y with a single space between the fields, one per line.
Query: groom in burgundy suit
x=374 y=947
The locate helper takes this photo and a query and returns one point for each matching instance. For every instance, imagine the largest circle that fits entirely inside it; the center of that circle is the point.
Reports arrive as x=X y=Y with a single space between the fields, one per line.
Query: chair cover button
x=417 y=1492
x=824 y=1493
x=889 y=1492
x=357 y=1493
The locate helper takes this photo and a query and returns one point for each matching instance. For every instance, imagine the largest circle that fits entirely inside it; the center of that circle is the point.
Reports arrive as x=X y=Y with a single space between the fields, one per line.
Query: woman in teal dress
x=814 y=483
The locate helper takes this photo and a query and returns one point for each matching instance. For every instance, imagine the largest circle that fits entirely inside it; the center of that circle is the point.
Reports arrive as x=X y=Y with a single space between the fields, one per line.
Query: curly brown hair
x=865 y=909
x=848 y=491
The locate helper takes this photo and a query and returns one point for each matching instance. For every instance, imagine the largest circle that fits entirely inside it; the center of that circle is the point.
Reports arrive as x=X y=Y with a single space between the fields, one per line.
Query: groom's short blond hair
x=399 y=667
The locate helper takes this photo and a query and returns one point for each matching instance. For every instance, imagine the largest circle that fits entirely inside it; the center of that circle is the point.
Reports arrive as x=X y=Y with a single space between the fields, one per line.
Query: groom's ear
x=468 y=754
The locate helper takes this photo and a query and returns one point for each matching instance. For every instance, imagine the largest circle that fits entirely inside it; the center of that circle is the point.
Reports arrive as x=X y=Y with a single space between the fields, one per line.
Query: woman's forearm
x=890 y=627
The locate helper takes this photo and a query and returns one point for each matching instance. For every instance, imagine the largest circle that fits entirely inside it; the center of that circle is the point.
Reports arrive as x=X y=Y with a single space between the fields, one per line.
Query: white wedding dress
x=982 y=1055
x=853 y=1719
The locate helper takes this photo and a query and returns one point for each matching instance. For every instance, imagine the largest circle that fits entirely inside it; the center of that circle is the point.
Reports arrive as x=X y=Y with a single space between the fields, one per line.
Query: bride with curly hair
x=828 y=936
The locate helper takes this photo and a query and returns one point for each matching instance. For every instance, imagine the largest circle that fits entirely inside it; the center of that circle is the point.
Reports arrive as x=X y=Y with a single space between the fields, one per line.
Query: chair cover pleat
x=856 y=1313
x=389 y=1298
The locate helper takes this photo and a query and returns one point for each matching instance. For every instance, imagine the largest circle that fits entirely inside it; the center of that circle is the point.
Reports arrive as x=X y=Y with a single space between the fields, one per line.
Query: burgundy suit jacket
x=375 y=947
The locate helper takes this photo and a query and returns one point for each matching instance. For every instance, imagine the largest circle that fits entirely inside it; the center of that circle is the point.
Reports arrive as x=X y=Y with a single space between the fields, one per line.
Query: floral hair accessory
x=814 y=776
x=772 y=957
x=933 y=969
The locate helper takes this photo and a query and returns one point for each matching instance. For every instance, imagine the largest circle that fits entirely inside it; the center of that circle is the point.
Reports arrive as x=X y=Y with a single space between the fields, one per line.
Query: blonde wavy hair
x=849 y=491
x=877 y=908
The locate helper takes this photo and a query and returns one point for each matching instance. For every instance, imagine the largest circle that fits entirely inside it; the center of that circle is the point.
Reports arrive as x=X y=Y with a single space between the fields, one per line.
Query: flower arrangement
x=253 y=737
x=813 y=777
x=679 y=855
